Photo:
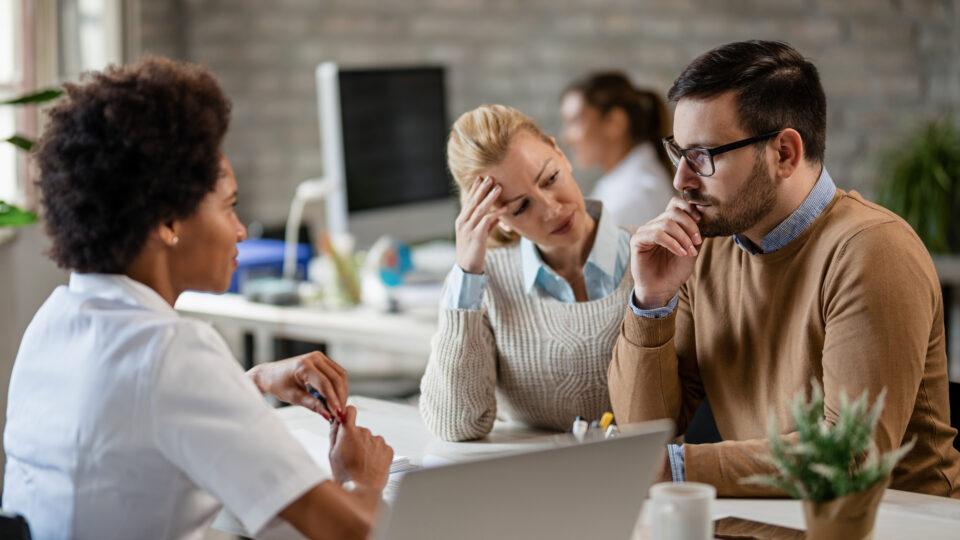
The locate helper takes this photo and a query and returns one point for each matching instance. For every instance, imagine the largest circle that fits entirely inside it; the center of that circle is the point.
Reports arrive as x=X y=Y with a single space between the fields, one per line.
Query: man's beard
x=748 y=206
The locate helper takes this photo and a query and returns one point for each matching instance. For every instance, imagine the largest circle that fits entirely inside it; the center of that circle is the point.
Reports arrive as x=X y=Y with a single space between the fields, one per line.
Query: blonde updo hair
x=479 y=140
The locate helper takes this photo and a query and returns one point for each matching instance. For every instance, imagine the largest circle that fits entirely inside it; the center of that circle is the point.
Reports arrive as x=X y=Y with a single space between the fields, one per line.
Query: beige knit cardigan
x=544 y=362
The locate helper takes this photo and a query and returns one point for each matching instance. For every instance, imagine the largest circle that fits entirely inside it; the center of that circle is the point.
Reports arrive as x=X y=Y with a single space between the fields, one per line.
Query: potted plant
x=922 y=184
x=835 y=468
x=10 y=215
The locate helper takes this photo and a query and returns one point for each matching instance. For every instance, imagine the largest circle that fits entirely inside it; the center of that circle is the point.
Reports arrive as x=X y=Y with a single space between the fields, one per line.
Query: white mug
x=682 y=511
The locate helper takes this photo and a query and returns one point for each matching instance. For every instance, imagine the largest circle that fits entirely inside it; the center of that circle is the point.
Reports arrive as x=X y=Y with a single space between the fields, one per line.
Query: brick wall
x=885 y=63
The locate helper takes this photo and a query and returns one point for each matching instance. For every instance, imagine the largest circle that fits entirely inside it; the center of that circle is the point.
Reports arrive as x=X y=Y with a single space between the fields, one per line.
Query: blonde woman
x=533 y=306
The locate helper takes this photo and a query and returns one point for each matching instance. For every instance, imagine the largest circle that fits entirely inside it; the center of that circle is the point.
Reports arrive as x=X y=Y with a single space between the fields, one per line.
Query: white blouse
x=636 y=190
x=125 y=420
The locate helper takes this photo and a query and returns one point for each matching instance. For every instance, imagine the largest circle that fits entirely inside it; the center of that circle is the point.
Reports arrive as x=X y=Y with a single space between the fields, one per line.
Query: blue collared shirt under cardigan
x=609 y=259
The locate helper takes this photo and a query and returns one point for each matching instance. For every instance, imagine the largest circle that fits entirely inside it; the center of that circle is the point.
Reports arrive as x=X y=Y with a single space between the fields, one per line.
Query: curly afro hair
x=126 y=150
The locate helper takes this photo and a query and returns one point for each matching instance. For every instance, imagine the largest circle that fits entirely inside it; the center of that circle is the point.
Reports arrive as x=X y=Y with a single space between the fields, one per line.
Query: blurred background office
x=886 y=65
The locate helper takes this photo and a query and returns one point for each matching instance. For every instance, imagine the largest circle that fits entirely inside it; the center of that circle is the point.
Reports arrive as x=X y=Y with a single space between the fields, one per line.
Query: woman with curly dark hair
x=125 y=420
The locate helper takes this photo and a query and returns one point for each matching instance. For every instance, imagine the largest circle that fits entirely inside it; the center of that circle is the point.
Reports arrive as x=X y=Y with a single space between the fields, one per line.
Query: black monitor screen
x=394 y=135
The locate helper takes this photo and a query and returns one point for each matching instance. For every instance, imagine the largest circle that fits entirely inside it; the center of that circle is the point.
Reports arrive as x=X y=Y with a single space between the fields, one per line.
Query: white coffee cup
x=682 y=511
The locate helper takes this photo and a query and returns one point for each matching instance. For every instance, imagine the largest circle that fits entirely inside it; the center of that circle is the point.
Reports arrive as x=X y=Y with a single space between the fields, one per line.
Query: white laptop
x=590 y=490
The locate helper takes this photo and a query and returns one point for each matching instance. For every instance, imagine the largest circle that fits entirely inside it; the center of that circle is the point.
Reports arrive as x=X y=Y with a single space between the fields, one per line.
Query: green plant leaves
x=11 y=216
x=34 y=98
x=922 y=184
x=21 y=142
x=41 y=96
x=828 y=461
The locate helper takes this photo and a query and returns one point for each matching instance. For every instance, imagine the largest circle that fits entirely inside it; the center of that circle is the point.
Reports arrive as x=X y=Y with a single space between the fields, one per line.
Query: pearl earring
x=176 y=240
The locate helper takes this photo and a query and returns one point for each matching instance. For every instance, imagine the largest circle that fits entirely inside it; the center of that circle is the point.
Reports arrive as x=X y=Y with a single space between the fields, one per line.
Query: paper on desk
x=318 y=447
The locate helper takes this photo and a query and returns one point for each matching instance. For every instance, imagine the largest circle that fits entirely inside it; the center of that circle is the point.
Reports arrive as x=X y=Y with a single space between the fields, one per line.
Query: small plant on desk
x=835 y=468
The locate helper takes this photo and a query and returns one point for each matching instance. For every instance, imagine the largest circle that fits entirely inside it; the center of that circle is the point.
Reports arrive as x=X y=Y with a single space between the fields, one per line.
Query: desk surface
x=902 y=514
x=408 y=332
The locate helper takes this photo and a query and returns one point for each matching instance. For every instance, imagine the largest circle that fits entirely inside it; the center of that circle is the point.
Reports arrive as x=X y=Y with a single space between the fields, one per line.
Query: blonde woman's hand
x=663 y=253
x=479 y=215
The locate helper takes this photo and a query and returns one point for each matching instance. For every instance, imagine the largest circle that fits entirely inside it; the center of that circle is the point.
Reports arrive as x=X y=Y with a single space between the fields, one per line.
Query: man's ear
x=789 y=145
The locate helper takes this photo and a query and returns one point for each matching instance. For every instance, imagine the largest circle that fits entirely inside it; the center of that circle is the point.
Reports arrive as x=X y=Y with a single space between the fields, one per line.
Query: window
x=90 y=36
x=74 y=36
x=11 y=83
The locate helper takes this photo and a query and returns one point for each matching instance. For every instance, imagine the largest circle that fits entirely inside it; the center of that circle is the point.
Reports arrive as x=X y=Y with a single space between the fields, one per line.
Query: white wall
x=26 y=279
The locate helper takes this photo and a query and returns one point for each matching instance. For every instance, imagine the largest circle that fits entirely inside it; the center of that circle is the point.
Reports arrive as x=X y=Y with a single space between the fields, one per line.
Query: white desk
x=901 y=515
x=359 y=338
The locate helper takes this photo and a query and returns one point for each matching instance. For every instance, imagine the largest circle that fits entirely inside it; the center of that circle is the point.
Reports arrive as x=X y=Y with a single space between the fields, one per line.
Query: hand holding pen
x=311 y=380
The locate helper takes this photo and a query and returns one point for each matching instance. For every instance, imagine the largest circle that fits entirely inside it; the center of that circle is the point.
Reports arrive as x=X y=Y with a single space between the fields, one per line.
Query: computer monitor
x=383 y=137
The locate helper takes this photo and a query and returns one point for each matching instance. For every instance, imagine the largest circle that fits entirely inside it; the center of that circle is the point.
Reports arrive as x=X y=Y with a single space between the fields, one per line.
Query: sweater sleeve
x=457 y=392
x=647 y=379
x=879 y=299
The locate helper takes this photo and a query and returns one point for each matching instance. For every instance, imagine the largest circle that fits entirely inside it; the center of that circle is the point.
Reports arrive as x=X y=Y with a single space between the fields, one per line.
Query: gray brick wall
x=885 y=63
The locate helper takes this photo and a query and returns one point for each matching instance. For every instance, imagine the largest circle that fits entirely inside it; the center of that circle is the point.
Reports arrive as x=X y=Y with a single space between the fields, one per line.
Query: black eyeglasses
x=700 y=160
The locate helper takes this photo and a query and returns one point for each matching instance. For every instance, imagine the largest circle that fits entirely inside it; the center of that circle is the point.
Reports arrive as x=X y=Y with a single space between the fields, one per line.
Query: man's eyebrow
x=698 y=144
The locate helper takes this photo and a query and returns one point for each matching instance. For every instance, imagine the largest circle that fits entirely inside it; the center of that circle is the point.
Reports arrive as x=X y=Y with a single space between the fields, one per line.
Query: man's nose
x=685 y=178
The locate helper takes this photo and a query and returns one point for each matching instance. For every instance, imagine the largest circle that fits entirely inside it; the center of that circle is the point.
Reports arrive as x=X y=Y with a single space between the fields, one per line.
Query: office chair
x=702 y=428
x=13 y=527
x=955 y=411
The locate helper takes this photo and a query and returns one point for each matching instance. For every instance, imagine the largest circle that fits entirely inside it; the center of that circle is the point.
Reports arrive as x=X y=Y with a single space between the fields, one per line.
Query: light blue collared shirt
x=608 y=261
x=784 y=233
x=797 y=222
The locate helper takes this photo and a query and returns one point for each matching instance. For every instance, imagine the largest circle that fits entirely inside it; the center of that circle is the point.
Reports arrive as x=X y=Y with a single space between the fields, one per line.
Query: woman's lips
x=565 y=227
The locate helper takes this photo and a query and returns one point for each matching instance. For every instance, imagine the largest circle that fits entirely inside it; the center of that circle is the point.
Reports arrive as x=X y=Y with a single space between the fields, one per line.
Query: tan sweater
x=854 y=301
x=546 y=359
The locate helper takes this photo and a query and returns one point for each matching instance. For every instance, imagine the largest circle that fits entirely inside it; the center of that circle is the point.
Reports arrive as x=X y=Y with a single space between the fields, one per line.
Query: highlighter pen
x=605 y=420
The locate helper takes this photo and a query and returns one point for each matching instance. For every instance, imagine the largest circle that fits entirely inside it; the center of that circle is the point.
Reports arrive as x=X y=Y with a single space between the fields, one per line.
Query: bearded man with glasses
x=763 y=275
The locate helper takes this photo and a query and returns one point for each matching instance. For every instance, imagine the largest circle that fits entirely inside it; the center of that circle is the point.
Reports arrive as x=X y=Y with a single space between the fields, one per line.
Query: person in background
x=125 y=420
x=764 y=275
x=609 y=123
x=533 y=305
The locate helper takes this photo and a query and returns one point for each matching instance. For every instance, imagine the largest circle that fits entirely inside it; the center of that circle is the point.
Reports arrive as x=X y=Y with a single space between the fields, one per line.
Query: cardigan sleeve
x=646 y=378
x=880 y=300
x=458 y=390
